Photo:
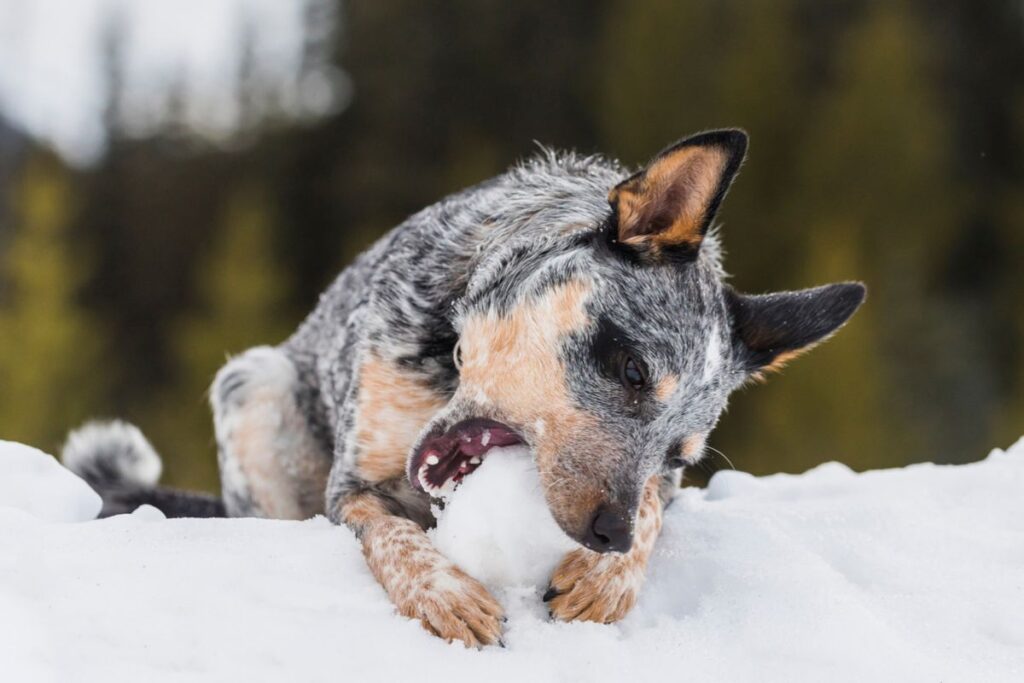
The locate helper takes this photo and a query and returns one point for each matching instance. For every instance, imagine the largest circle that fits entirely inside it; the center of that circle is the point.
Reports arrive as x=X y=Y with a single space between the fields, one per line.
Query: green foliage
x=867 y=166
x=1008 y=422
x=886 y=146
x=50 y=376
x=241 y=302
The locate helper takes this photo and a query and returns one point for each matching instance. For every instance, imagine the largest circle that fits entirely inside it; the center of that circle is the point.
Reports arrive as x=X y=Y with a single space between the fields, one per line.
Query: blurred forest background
x=887 y=146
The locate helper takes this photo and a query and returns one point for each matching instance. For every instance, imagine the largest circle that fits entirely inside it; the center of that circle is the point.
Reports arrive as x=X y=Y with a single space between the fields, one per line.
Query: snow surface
x=914 y=574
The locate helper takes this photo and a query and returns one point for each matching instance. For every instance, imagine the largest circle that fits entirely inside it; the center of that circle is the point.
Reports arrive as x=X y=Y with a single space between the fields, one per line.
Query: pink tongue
x=474 y=447
x=472 y=442
x=453 y=452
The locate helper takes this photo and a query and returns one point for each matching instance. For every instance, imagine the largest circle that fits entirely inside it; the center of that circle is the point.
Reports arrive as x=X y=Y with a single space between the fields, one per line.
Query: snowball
x=34 y=482
x=497 y=526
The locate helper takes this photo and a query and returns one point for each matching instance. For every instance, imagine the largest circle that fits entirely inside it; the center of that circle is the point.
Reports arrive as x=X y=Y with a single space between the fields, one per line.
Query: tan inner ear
x=667 y=204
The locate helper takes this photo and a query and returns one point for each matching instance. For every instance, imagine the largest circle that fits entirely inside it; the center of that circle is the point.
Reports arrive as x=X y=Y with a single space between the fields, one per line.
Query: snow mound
x=33 y=482
x=915 y=574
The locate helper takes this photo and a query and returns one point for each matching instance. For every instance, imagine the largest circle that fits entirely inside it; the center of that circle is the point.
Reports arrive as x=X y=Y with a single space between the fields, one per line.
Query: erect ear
x=772 y=329
x=672 y=202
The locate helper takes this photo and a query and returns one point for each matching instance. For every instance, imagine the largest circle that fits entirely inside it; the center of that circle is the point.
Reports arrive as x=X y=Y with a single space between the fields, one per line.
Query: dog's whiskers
x=724 y=456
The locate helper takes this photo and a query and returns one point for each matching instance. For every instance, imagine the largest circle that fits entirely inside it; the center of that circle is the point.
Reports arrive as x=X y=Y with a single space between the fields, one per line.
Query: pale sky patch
x=52 y=80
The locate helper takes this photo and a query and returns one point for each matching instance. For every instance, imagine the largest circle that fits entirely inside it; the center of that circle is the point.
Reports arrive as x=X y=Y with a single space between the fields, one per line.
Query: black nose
x=610 y=531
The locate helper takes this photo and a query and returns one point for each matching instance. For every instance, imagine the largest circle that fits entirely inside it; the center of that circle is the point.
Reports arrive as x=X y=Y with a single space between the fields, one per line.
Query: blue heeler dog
x=568 y=305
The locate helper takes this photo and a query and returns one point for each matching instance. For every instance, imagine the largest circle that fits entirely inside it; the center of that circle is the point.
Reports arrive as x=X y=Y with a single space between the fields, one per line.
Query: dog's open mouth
x=444 y=460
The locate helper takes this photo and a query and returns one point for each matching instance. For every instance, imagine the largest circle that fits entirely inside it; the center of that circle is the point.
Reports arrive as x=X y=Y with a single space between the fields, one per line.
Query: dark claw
x=501 y=643
x=551 y=594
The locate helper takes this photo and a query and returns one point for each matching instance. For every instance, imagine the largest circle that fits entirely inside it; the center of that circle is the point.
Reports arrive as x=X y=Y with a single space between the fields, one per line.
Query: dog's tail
x=120 y=464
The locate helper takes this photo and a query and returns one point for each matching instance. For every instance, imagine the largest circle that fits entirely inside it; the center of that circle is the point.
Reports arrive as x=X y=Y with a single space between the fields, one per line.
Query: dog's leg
x=603 y=587
x=368 y=492
x=421 y=582
x=271 y=465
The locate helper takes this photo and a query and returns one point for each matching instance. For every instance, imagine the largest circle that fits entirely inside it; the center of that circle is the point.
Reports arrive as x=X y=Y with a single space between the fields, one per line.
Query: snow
x=914 y=574
x=497 y=527
x=35 y=483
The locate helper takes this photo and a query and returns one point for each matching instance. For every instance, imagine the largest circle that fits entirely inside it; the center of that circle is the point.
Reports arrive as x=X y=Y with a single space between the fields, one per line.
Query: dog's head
x=611 y=347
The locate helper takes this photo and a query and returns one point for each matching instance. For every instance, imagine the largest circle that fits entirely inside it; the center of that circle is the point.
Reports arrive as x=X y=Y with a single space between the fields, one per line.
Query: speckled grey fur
x=490 y=248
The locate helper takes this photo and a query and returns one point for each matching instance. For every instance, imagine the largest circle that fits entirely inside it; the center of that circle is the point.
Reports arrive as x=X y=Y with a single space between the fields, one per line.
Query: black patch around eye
x=611 y=345
x=617 y=358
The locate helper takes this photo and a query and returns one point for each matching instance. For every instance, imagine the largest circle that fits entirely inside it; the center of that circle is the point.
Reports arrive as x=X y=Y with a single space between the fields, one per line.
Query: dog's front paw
x=589 y=586
x=454 y=606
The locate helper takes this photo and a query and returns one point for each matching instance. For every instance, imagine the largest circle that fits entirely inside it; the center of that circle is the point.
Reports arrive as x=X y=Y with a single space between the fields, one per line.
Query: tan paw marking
x=452 y=605
x=424 y=584
x=589 y=586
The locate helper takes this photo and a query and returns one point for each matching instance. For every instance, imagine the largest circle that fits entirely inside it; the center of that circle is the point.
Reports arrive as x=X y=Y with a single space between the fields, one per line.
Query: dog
x=568 y=305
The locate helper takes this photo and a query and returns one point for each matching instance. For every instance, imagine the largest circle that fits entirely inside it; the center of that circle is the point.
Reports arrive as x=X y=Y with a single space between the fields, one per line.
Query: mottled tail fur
x=116 y=460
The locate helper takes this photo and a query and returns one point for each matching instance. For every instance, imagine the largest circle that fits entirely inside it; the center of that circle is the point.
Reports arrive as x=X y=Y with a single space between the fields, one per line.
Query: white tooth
x=487 y=437
x=474 y=460
x=433 y=460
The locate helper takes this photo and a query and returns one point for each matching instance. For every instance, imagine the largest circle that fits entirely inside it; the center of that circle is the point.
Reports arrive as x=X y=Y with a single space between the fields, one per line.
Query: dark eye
x=633 y=373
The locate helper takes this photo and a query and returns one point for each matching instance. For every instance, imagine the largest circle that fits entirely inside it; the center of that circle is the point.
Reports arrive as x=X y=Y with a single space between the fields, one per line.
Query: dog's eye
x=633 y=373
x=457 y=355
